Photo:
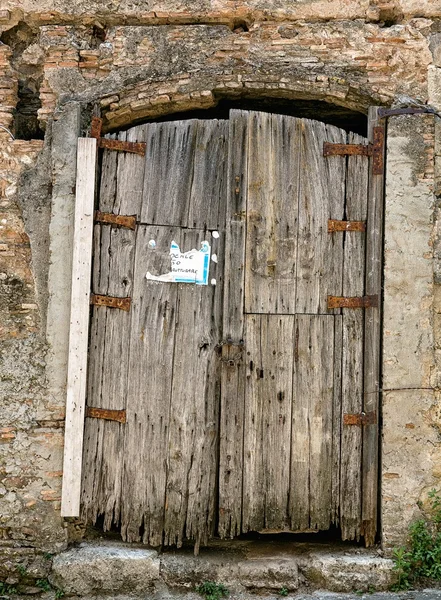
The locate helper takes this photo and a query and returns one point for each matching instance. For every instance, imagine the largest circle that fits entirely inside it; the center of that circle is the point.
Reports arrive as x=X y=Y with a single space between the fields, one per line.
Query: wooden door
x=292 y=367
x=233 y=393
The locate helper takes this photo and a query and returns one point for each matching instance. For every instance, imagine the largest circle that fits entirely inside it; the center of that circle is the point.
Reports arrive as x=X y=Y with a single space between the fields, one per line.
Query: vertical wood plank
x=372 y=350
x=267 y=438
x=193 y=437
x=322 y=189
x=233 y=361
x=320 y=368
x=152 y=338
x=313 y=391
x=353 y=341
x=273 y=181
x=169 y=170
x=79 y=326
x=336 y=421
x=207 y=210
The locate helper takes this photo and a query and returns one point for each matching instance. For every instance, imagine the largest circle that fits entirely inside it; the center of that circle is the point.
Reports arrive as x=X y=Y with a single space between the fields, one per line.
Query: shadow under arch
x=346 y=119
x=326 y=99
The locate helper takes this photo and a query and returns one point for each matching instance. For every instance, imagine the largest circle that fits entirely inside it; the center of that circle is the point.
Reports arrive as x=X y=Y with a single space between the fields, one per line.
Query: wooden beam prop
x=79 y=326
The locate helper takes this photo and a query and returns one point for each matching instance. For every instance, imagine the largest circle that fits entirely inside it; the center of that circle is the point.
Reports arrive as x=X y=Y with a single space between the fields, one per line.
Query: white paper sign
x=187 y=267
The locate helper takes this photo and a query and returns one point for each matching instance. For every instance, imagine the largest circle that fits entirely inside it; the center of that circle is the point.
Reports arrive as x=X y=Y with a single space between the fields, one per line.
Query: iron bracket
x=134 y=147
x=106 y=413
x=376 y=150
x=111 y=301
x=128 y=221
x=360 y=419
x=334 y=225
x=352 y=302
x=384 y=113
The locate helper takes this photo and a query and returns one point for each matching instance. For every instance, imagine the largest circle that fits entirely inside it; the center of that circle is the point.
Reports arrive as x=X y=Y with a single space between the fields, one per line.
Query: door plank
x=267 y=439
x=322 y=192
x=169 y=170
x=272 y=208
x=121 y=183
x=337 y=420
x=193 y=436
x=152 y=338
x=372 y=356
x=130 y=175
x=353 y=326
x=209 y=184
x=312 y=421
x=232 y=364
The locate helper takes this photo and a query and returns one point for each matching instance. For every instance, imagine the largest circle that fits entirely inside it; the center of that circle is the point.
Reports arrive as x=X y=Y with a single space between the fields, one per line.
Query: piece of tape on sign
x=186 y=267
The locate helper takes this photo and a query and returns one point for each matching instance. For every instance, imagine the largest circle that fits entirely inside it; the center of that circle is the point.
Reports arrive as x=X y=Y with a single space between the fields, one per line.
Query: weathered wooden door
x=236 y=404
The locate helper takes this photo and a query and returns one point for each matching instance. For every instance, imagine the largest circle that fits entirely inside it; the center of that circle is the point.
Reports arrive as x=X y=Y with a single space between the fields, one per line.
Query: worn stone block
x=93 y=569
x=340 y=573
x=271 y=574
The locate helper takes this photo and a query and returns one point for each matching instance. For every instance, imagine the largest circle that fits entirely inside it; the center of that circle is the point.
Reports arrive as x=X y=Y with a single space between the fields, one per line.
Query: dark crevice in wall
x=389 y=16
x=240 y=26
x=26 y=124
x=27 y=60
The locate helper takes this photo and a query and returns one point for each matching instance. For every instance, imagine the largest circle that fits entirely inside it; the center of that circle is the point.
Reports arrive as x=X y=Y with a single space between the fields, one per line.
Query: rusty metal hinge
x=376 y=150
x=121 y=220
x=330 y=149
x=111 y=301
x=134 y=147
x=359 y=419
x=334 y=225
x=352 y=302
x=106 y=413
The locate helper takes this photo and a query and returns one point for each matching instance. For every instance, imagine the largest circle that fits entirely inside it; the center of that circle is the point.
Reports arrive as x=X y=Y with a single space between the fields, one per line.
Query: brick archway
x=148 y=100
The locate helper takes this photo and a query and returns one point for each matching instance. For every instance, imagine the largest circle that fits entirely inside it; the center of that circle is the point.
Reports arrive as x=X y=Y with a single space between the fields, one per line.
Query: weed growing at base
x=422 y=558
x=211 y=590
x=6 y=589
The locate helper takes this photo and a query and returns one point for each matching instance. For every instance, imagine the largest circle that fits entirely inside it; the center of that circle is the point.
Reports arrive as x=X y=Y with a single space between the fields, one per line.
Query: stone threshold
x=110 y=568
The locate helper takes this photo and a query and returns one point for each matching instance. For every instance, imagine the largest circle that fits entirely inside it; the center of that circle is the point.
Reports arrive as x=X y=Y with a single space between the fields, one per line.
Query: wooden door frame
x=372 y=338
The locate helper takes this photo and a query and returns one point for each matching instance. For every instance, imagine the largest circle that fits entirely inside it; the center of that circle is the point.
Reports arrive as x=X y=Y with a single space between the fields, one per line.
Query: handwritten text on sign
x=187 y=267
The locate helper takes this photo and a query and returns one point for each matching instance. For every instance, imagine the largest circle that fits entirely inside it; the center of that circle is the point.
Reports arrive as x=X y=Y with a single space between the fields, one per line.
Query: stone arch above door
x=148 y=100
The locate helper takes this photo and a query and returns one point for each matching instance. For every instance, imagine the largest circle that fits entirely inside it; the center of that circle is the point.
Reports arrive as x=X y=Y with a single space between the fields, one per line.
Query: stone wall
x=139 y=60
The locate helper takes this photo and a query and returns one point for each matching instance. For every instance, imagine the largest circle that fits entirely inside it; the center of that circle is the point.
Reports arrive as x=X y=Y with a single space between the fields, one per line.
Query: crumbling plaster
x=136 y=60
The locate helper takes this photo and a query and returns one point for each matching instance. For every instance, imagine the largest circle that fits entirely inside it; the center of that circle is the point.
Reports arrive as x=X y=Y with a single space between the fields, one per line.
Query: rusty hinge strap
x=347 y=149
x=369 y=418
x=106 y=413
x=134 y=147
x=352 y=302
x=376 y=150
x=95 y=127
x=122 y=220
x=334 y=225
x=110 y=301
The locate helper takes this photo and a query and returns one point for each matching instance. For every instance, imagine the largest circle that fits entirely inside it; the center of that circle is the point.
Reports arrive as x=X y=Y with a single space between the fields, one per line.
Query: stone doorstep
x=111 y=568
